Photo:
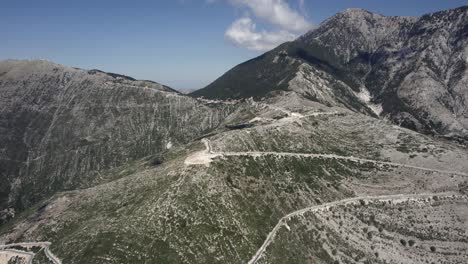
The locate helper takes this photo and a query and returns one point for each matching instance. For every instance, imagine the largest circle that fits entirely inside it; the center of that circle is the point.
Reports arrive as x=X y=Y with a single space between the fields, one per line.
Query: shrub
x=403 y=242
x=156 y=161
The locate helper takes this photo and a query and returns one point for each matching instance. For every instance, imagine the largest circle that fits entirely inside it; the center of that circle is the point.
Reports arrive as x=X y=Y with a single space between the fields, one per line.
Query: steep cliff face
x=408 y=69
x=61 y=126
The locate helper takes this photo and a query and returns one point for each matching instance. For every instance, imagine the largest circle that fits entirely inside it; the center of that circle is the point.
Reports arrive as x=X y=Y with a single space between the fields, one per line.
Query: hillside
x=216 y=200
x=61 y=126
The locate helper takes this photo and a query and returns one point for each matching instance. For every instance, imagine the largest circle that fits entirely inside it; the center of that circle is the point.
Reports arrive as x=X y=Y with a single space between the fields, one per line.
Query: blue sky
x=182 y=43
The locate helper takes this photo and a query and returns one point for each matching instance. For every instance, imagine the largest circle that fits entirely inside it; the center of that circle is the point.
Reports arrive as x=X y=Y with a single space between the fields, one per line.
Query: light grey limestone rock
x=60 y=126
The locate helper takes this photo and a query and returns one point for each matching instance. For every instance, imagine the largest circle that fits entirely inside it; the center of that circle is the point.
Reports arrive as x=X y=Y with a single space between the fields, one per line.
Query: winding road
x=44 y=245
x=354 y=200
x=207 y=155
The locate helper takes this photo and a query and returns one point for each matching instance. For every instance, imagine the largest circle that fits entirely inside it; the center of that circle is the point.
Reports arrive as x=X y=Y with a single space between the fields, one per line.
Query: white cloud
x=277 y=12
x=243 y=33
x=286 y=22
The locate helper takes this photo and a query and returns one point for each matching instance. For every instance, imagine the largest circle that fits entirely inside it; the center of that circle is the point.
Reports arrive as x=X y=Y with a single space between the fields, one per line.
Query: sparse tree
x=403 y=242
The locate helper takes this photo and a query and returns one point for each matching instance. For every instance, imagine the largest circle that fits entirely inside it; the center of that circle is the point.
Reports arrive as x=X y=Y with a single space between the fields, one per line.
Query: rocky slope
x=216 y=200
x=60 y=126
x=102 y=168
x=412 y=70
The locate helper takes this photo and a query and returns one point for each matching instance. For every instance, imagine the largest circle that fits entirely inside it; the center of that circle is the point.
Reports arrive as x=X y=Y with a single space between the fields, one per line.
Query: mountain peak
x=363 y=50
x=358 y=15
x=355 y=11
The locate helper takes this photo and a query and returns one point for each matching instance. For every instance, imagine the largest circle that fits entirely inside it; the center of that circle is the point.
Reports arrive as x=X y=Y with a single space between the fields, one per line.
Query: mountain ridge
x=61 y=126
x=360 y=60
x=100 y=168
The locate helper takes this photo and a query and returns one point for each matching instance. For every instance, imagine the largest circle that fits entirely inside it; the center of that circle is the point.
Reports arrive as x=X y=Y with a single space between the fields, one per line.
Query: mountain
x=103 y=168
x=61 y=126
x=411 y=70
